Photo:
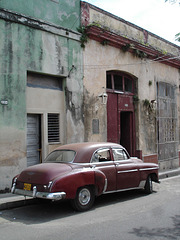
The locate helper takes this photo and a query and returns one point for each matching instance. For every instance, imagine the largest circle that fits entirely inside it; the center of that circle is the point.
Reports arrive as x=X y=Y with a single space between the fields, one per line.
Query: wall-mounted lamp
x=104 y=97
x=153 y=104
x=4 y=102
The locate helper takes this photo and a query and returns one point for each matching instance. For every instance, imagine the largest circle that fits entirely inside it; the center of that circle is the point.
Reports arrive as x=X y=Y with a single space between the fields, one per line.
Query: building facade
x=41 y=88
x=131 y=87
x=113 y=82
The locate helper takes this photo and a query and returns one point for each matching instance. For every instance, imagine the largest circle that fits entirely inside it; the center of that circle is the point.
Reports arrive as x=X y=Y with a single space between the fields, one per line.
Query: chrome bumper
x=45 y=195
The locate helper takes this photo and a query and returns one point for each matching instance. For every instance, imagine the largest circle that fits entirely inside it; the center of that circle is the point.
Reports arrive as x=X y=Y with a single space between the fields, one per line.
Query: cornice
x=144 y=50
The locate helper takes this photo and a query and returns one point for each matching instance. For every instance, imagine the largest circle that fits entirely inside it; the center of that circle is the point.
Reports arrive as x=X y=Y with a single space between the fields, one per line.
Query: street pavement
x=9 y=200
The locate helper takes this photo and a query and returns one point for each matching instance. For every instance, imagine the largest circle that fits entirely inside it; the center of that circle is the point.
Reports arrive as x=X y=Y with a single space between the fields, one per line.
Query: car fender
x=149 y=169
x=70 y=182
x=78 y=178
x=100 y=182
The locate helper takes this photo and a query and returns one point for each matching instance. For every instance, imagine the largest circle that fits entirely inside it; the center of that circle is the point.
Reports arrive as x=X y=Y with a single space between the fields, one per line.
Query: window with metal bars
x=53 y=127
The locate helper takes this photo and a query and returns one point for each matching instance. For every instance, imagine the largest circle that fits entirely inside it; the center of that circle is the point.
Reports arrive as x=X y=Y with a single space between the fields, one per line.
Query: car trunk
x=43 y=173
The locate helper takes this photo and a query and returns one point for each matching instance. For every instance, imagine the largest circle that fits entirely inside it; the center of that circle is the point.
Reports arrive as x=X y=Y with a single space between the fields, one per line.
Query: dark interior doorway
x=126 y=134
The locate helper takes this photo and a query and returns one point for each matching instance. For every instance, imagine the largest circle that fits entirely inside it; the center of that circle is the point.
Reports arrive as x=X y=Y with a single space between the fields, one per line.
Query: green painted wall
x=26 y=48
x=22 y=50
x=63 y=13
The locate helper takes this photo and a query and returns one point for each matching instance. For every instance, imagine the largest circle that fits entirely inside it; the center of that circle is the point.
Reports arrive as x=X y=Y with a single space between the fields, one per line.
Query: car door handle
x=117 y=164
x=93 y=166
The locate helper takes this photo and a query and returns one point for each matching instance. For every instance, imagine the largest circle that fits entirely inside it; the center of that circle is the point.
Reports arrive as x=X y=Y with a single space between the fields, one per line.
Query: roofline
x=128 y=23
x=98 y=34
x=107 y=36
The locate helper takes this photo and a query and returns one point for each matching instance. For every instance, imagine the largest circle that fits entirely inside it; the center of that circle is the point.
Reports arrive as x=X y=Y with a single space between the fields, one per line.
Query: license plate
x=27 y=186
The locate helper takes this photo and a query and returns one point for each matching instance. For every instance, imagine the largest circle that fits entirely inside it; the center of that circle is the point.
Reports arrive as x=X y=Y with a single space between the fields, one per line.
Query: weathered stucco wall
x=108 y=58
x=35 y=47
x=98 y=59
x=129 y=30
x=61 y=13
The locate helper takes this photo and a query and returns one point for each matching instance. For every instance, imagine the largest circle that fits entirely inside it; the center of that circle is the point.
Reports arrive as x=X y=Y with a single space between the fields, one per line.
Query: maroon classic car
x=82 y=171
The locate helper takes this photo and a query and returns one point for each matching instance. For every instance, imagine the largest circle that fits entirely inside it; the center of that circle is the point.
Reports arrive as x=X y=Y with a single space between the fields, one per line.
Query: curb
x=15 y=201
x=167 y=174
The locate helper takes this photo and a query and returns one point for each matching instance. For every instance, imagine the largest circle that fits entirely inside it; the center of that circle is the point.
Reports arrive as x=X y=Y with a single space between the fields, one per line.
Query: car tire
x=84 y=199
x=149 y=186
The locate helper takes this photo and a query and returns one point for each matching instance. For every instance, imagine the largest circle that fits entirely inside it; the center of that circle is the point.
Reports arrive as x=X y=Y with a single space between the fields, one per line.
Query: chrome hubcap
x=84 y=196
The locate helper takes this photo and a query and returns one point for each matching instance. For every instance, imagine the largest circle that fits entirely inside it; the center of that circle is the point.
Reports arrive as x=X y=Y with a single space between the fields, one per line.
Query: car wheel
x=84 y=199
x=149 y=185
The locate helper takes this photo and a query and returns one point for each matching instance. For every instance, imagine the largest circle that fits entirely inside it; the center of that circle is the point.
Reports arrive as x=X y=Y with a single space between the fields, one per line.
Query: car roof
x=84 y=150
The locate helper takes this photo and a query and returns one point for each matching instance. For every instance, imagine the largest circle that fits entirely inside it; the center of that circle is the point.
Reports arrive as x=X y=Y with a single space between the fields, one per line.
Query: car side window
x=101 y=155
x=119 y=154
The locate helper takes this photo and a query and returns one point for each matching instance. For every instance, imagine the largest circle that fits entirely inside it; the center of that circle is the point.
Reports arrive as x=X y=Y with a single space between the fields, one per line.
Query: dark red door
x=120 y=121
x=112 y=118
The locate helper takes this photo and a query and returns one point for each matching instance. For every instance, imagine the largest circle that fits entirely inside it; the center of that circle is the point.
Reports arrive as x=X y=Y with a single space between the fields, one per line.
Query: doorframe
x=124 y=103
x=132 y=150
x=41 y=129
x=120 y=109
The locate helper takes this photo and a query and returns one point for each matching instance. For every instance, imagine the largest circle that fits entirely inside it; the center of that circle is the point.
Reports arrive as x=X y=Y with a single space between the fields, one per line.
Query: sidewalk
x=9 y=200
x=169 y=173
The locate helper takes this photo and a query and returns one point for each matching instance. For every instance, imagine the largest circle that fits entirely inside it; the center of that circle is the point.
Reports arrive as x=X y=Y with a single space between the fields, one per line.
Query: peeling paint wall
x=61 y=13
x=37 y=46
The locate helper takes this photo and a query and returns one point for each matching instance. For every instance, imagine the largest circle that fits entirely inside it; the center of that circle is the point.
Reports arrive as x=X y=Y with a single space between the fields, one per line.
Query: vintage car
x=82 y=171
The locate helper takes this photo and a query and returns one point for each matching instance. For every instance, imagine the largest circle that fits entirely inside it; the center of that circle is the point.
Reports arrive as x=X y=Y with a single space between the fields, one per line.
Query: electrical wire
x=129 y=64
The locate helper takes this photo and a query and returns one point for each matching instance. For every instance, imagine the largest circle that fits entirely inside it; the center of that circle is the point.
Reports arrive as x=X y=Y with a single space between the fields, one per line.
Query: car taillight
x=14 y=180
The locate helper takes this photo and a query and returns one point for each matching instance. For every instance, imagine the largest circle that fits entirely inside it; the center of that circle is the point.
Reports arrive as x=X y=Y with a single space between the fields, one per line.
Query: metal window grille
x=53 y=127
x=167 y=122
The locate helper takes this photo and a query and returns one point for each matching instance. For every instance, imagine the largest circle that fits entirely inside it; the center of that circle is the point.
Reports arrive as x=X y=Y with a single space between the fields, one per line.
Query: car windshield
x=61 y=156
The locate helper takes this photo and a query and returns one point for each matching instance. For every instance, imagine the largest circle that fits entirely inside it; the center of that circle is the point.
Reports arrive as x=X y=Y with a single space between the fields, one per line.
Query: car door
x=127 y=172
x=102 y=161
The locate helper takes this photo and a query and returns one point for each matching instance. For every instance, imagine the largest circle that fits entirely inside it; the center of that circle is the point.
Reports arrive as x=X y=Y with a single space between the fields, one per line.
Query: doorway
x=121 y=121
x=126 y=127
x=33 y=139
x=120 y=88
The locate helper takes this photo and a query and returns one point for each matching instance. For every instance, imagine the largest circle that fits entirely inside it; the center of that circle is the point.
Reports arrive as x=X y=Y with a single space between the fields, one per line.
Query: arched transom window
x=119 y=82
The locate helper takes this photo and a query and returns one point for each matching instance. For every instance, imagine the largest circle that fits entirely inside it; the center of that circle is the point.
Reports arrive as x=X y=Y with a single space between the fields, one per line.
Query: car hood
x=43 y=173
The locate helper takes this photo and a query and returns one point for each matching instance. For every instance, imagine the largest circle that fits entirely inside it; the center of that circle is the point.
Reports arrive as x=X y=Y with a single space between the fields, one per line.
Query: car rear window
x=61 y=156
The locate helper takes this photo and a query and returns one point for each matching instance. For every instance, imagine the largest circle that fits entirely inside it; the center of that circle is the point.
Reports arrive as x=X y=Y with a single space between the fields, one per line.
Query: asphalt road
x=122 y=216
